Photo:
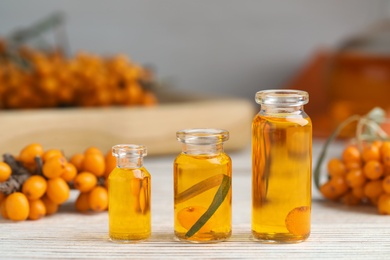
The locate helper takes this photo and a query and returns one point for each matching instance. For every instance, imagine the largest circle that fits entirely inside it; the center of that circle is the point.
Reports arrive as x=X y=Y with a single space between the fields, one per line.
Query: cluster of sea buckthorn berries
x=48 y=183
x=361 y=176
x=30 y=78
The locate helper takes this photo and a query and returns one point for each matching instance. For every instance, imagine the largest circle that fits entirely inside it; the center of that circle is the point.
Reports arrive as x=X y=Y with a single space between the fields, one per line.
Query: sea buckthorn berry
x=92 y=150
x=351 y=153
x=94 y=163
x=34 y=187
x=3 y=210
x=336 y=167
x=373 y=170
x=17 y=206
x=188 y=216
x=386 y=158
x=85 y=181
x=37 y=209
x=5 y=171
x=373 y=189
x=386 y=184
x=355 y=178
x=27 y=154
x=77 y=161
x=110 y=163
x=51 y=207
x=69 y=172
x=384 y=204
x=385 y=147
x=51 y=154
x=377 y=143
x=371 y=153
x=298 y=221
x=98 y=199
x=57 y=190
x=386 y=170
x=350 y=199
x=82 y=203
x=358 y=192
x=339 y=184
x=54 y=167
x=353 y=165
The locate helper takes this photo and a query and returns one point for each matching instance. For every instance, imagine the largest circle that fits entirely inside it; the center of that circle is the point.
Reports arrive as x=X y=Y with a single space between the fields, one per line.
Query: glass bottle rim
x=282 y=97
x=201 y=136
x=129 y=150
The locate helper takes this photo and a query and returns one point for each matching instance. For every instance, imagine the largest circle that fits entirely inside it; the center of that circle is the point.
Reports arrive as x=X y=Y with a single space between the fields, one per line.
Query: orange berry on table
x=58 y=190
x=5 y=171
x=54 y=167
x=51 y=154
x=371 y=153
x=85 y=181
x=94 y=163
x=334 y=188
x=386 y=184
x=69 y=172
x=384 y=204
x=373 y=170
x=82 y=202
x=350 y=199
x=77 y=161
x=98 y=199
x=3 y=210
x=37 y=209
x=358 y=192
x=372 y=189
x=335 y=167
x=110 y=163
x=351 y=153
x=51 y=207
x=34 y=187
x=355 y=178
x=339 y=184
x=27 y=154
x=17 y=206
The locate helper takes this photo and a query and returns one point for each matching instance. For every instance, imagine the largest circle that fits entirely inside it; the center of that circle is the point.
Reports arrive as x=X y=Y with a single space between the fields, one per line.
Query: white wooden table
x=338 y=232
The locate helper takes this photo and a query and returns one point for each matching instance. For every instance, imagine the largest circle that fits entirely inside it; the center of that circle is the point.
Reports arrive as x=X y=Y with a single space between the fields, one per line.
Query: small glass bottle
x=129 y=186
x=281 y=167
x=202 y=187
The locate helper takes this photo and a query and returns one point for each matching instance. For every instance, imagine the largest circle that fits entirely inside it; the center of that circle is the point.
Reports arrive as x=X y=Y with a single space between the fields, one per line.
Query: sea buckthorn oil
x=129 y=187
x=281 y=167
x=202 y=187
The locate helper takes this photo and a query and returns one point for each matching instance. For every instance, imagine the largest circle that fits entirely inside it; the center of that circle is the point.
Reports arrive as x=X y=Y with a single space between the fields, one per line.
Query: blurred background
x=221 y=48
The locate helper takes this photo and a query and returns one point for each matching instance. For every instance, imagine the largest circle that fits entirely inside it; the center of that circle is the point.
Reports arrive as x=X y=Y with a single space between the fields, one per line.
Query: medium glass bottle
x=281 y=167
x=129 y=186
x=202 y=187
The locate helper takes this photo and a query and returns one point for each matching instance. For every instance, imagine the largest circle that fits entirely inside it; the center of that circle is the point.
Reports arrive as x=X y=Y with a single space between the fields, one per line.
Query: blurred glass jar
x=358 y=76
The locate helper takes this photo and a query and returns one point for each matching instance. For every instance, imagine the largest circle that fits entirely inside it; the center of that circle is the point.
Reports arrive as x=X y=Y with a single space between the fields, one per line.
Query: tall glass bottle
x=202 y=187
x=129 y=187
x=281 y=167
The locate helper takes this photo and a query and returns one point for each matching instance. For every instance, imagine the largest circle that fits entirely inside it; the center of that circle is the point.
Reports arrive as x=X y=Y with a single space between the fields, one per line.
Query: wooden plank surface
x=72 y=130
x=338 y=232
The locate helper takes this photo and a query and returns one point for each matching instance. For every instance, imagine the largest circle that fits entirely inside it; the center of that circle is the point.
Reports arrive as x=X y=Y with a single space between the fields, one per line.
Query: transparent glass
x=129 y=187
x=202 y=187
x=281 y=167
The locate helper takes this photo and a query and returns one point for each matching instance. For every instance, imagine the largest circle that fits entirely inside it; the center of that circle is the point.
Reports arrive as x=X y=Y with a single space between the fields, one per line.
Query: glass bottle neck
x=203 y=149
x=281 y=110
x=130 y=162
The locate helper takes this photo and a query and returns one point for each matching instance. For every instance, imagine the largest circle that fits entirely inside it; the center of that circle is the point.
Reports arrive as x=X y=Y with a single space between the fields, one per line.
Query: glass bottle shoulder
x=127 y=173
x=219 y=158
